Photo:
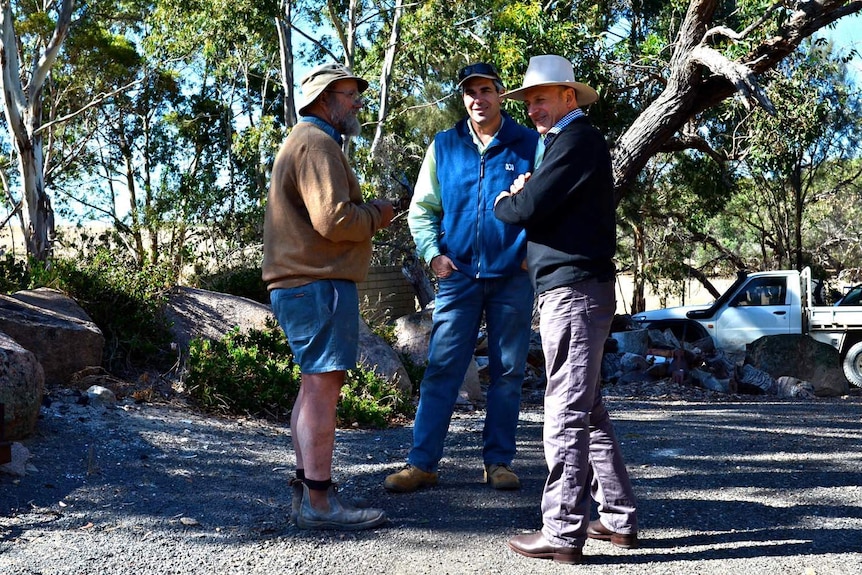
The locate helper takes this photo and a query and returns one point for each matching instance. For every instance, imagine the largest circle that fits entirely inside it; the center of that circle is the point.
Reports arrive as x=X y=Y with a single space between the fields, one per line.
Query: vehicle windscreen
x=723 y=299
x=852 y=297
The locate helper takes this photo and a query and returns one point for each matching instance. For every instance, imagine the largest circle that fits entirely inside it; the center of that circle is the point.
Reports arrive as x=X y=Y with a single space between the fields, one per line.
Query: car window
x=765 y=291
x=852 y=297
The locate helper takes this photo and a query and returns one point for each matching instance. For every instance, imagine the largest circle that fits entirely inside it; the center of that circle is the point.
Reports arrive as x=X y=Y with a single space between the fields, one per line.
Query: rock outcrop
x=802 y=358
x=22 y=384
x=793 y=366
x=412 y=336
x=197 y=313
x=56 y=330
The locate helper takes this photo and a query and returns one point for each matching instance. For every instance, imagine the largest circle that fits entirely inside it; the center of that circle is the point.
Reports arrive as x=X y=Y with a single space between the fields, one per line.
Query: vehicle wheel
x=853 y=364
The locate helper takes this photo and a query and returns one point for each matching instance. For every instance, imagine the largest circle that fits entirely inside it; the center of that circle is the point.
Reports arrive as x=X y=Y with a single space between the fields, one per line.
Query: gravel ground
x=739 y=486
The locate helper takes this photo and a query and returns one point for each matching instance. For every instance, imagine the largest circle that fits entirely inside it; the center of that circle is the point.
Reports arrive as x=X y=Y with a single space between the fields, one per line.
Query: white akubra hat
x=552 y=70
x=318 y=80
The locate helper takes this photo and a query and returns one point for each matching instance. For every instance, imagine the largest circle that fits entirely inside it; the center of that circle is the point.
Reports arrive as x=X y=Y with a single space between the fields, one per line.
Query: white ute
x=767 y=303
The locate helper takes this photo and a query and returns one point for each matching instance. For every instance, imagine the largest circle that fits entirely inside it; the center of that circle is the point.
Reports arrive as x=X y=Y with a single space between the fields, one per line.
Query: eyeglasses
x=480 y=68
x=353 y=95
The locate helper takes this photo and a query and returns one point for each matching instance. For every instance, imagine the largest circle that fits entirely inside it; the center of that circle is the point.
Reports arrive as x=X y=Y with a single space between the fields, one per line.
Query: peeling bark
x=22 y=96
x=386 y=75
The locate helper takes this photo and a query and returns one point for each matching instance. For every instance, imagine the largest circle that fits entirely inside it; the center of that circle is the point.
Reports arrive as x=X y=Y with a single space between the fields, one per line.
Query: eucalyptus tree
x=30 y=42
x=659 y=66
x=793 y=158
x=711 y=56
x=99 y=72
x=225 y=58
x=835 y=236
x=365 y=35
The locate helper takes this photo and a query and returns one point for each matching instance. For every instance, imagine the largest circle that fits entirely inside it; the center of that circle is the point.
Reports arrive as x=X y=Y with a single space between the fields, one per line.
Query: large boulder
x=22 y=382
x=378 y=356
x=196 y=313
x=412 y=337
x=800 y=357
x=634 y=341
x=412 y=334
x=53 y=300
x=63 y=341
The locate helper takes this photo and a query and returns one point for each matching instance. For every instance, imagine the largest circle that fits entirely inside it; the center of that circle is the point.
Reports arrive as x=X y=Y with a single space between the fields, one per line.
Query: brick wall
x=386 y=294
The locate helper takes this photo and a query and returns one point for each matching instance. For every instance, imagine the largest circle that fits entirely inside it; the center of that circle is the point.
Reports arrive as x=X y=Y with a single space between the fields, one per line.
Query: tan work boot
x=409 y=479
x=501 y=476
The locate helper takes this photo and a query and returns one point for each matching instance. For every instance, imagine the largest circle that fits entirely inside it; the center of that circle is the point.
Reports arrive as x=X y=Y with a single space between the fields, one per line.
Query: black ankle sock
x=318 y=485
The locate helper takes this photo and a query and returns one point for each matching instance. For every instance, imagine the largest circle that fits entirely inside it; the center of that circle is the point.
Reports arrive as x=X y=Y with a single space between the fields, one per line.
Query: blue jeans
x=460 y=302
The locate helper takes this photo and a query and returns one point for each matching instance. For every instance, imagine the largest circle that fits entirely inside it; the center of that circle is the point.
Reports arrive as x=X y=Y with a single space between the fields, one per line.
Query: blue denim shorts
x=321 y=322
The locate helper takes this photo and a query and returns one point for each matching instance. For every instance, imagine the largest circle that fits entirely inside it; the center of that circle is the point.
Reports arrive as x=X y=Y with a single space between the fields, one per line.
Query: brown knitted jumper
x=316 y=225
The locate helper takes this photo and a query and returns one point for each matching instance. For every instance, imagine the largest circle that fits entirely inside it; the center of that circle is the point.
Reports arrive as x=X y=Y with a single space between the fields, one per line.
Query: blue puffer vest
x=481 y=245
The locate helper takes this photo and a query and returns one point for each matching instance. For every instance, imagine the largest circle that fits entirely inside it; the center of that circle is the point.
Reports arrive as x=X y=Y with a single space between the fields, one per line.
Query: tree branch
x=738 y=74
x=733 y=34
x=314 y=41
x=13 y=91
x=687 y=141
x=61 y=29
x=98 y=100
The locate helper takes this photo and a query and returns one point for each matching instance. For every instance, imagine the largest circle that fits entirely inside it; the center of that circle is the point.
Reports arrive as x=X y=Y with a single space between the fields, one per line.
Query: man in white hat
x=478 y=261
x=317 y=244
x=567 y=207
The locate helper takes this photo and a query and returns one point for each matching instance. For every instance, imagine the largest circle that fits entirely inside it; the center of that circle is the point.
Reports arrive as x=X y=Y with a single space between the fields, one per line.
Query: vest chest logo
x=510 y=167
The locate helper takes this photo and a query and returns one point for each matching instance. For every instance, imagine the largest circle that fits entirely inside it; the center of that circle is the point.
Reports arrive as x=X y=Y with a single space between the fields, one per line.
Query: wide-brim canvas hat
x=552 y=70
x=320 y=78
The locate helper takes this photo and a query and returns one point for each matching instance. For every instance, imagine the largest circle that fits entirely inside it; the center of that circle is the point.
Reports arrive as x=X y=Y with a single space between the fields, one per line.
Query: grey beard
x=350 y=126
x=346 y=123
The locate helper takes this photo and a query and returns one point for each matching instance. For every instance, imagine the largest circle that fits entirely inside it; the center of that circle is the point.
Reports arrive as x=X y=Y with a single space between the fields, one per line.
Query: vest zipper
x=479 y=214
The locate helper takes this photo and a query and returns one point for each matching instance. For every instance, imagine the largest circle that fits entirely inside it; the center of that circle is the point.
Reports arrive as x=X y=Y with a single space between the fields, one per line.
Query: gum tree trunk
x=22 y=98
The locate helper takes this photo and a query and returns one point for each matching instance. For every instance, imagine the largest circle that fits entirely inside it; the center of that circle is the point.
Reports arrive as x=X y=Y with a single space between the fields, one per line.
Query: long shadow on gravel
x=714 y=480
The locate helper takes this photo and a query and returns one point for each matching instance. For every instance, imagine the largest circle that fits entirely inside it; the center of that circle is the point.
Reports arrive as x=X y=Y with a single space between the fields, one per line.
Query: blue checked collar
x=564 y=121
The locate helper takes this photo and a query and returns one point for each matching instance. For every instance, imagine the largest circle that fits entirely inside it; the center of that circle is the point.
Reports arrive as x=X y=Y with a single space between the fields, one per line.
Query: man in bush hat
x=317 y=245
x=478 y=261
x=567 y=207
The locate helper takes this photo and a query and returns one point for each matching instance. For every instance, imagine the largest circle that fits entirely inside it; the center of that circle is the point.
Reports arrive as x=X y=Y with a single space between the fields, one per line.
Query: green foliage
x=367 y=400
x=416 y=372
x=13 y=274
x=246 y=372
x=243 y=282
x=253 y=372
x=126 y=302
x=793 y=159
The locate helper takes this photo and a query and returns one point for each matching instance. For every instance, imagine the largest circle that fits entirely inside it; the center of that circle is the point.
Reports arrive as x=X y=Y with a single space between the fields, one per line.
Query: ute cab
x=756 y=305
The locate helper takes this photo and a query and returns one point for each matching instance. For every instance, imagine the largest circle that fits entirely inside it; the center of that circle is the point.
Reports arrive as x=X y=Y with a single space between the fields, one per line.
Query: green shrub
x=415 y=372
x=125 y=301
x=367 y=400
x=245 y=372
x=13 y=274
x=253 y=372
x=243 y=282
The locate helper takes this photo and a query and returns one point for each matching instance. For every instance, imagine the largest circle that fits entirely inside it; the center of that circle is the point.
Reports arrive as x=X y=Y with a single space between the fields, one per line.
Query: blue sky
x=846 y=37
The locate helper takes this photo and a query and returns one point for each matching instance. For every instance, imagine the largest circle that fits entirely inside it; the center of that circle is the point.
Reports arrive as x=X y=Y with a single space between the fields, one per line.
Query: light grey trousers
x=581 y=448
